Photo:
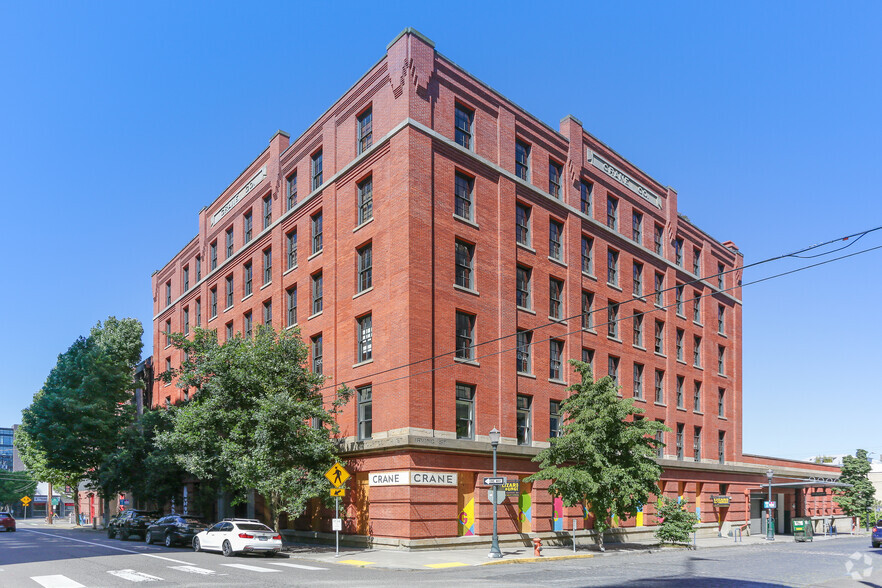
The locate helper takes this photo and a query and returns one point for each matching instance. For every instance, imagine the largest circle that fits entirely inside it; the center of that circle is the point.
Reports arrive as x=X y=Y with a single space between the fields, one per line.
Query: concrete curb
x=522 y=560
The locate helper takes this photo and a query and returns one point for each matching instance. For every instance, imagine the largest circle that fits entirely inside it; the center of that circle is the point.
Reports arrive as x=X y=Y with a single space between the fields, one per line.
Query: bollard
x=537 y=547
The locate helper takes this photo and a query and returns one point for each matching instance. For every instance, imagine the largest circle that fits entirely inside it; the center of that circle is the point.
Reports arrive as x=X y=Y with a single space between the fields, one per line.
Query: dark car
x=131 y=522
x=173 y=529
x=876 y=539
x=7 y=521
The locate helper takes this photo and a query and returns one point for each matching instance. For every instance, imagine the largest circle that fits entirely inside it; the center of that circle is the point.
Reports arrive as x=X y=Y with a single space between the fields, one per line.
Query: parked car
x=232 y=536
x=131 y=522
x=173 y=529
x=7 y=521
x=876 y=539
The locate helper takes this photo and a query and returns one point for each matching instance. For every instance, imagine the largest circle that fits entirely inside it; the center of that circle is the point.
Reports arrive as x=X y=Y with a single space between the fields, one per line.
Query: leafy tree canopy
x=256 y=418
x=603 y=460
x=15 y=485
x=857 y=500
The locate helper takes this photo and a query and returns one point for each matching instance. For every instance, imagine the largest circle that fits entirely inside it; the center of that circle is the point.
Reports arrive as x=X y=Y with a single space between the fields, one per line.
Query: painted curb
x=520 y=560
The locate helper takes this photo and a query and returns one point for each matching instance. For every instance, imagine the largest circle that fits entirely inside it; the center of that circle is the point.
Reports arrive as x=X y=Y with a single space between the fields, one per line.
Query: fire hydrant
x=537 y=547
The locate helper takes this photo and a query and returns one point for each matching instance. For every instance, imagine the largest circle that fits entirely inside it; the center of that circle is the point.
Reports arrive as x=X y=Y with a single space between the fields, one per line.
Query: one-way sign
x=494 y=481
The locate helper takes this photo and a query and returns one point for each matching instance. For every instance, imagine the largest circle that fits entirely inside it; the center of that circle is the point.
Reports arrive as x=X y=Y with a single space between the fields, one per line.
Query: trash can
x=802 y=529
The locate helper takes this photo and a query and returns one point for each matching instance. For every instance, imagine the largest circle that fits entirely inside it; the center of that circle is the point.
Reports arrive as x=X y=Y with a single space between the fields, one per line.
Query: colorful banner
x=557 y=513
x=467 y=519
x=525 y=504
x=640 y=516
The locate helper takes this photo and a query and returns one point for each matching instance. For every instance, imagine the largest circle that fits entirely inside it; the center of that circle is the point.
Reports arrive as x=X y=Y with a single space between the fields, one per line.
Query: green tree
x=15 y=485
x=856 y=501
x=675 y=522
x=604 y=460
x=256 y=418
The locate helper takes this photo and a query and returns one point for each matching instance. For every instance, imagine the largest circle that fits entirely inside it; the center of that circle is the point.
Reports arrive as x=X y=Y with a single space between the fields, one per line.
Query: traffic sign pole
x=337 y=516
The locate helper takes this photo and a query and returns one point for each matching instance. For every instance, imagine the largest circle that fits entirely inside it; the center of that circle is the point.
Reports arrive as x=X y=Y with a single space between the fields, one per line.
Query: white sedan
x=232 y=536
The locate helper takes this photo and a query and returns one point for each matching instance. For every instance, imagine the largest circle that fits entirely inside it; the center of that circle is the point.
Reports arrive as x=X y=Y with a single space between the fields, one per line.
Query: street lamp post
x=494 y=546
x=770 y=532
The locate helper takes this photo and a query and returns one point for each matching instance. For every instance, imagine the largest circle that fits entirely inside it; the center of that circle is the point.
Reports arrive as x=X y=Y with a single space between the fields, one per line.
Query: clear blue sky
x=121 y=120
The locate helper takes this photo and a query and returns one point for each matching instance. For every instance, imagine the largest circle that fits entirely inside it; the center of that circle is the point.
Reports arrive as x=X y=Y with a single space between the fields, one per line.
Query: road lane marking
x=291 y=565
x=453 y=564
x=356 y=562
x=56 y=581
x=133 y=576
x=250 y=568
x=108 y=546
x=193 y=570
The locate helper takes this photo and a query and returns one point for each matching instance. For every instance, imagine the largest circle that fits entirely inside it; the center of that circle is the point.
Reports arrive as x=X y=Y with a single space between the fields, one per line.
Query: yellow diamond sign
x=337 y=475
x=26 y=500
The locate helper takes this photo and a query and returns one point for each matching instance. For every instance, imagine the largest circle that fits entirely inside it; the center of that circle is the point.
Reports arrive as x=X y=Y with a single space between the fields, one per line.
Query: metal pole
x=770 y=534
x=337 y=516
x=574 y=535
x=494 y=546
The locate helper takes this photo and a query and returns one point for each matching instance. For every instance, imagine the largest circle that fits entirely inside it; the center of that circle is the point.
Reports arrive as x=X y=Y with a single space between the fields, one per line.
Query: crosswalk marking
x=291 y=565
x=133 y=576
x=56 y=581
x=193 y=570
x=250 y=568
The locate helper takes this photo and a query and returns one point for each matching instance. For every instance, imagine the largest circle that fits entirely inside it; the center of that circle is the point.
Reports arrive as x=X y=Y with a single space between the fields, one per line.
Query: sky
x=120 y=121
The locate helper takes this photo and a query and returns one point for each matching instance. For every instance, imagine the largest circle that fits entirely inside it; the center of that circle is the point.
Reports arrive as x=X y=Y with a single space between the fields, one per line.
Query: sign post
x=25 y=500
x=337 y=475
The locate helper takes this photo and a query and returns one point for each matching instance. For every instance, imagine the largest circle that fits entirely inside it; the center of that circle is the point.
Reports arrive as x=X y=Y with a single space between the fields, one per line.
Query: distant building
x=7 y=449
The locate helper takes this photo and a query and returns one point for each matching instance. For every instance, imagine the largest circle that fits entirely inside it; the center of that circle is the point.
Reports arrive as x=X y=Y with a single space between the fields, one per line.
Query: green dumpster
x=802 y=529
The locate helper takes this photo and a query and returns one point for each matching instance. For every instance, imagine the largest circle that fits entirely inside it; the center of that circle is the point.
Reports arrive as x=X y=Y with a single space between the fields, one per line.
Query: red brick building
x=445 y=253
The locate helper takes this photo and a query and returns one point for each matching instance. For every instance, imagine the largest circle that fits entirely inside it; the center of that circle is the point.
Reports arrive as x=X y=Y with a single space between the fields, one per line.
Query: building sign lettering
x=238 y=196
x=622 y=178
x=412 y=478
x=721 y=501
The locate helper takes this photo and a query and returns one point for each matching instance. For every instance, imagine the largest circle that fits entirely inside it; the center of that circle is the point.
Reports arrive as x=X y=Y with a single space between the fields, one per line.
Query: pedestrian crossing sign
x=26 y=500
x=338 y=492
x=337 y=475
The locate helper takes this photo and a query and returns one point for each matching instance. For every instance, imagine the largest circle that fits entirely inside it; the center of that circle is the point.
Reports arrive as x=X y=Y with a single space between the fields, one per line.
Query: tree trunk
x=275 y=511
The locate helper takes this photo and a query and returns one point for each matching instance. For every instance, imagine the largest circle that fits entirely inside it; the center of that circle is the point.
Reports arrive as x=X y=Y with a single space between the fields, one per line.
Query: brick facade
x=414 y=163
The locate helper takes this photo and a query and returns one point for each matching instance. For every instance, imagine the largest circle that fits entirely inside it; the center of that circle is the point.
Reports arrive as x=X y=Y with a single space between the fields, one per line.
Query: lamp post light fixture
x=494 y=546
x=770 y=532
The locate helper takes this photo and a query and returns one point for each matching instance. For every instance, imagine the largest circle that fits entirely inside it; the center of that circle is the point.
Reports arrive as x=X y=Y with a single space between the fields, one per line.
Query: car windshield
x=253 y=527
x=5 y=515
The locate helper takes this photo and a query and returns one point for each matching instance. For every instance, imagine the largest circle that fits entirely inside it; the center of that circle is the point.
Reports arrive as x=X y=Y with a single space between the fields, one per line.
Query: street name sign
x=337 y=475
x=499 y=481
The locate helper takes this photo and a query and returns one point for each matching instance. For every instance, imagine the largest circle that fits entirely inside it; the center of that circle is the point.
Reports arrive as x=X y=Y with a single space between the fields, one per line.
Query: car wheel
x=875 y=545
x=227 y=549
x=122 y=535
x=196 y=546
x=111 y=533
x=148 y=538
x=168 y=540
x=270 y=554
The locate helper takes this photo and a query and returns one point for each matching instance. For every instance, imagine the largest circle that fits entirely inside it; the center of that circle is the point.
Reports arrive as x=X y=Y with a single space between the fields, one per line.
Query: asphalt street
x=66 y=558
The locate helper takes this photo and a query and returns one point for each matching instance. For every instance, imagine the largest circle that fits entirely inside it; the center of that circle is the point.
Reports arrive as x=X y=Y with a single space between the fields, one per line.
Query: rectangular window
x=317 y=231
x=587 y=247
x=317 y=354
x=636 y=226
x=679 y=344
x=659 y=289
x=317 y=170
x=292 y=249
x=554 y=419
x=721 y=402
x=248 y=275
x=248 y=226
x=721 y=447
x=198 y=312
x=212 y=299
x=721 y=360
x=555 y=171
x=186 y=321
x=462 y=193
x=268 y=313
x=696 y=397
x=317 y=293
x=657 y=239
x=555 y=370
x=267 y=211
x=524 y=420
x=291 y=190
x=248 y=325
x=523 y=353
x=588 y=357
x=612 y=212
x=229 y=242
x=168 y=332
x=678 y=299
x=365 y=130
x=522 y=225
x=585 y=197
x=696 y=444
x=212 y=255
x=555 y=240
x=678 y=251
x=696 y=262
x=659 y=346
x=587 y=310
x=291 y=296
x=659 y=387
x=638 y=381
x=229 y=330
x=696 y=308
x=229 y=291
x=365 y=267
x=660 y=442
x=186 y=278
x=365 y=338
x=366 y=200
x=555 y=298
x=522 y=287
x=638 y=329
x=612 y=319
x=463 y=118
x=612 y=369
x=464 y=259
x=680 y=428
x=721 y=273
x=465 y=336
x=638 y=279
x=365 y=413
x=696 y=351
x=721 y=319
x=168 y=293
x=680 y=400
x=465 y=411
x=522 y=161
x=612 y=267
x=267 y=266
x=198 y=268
